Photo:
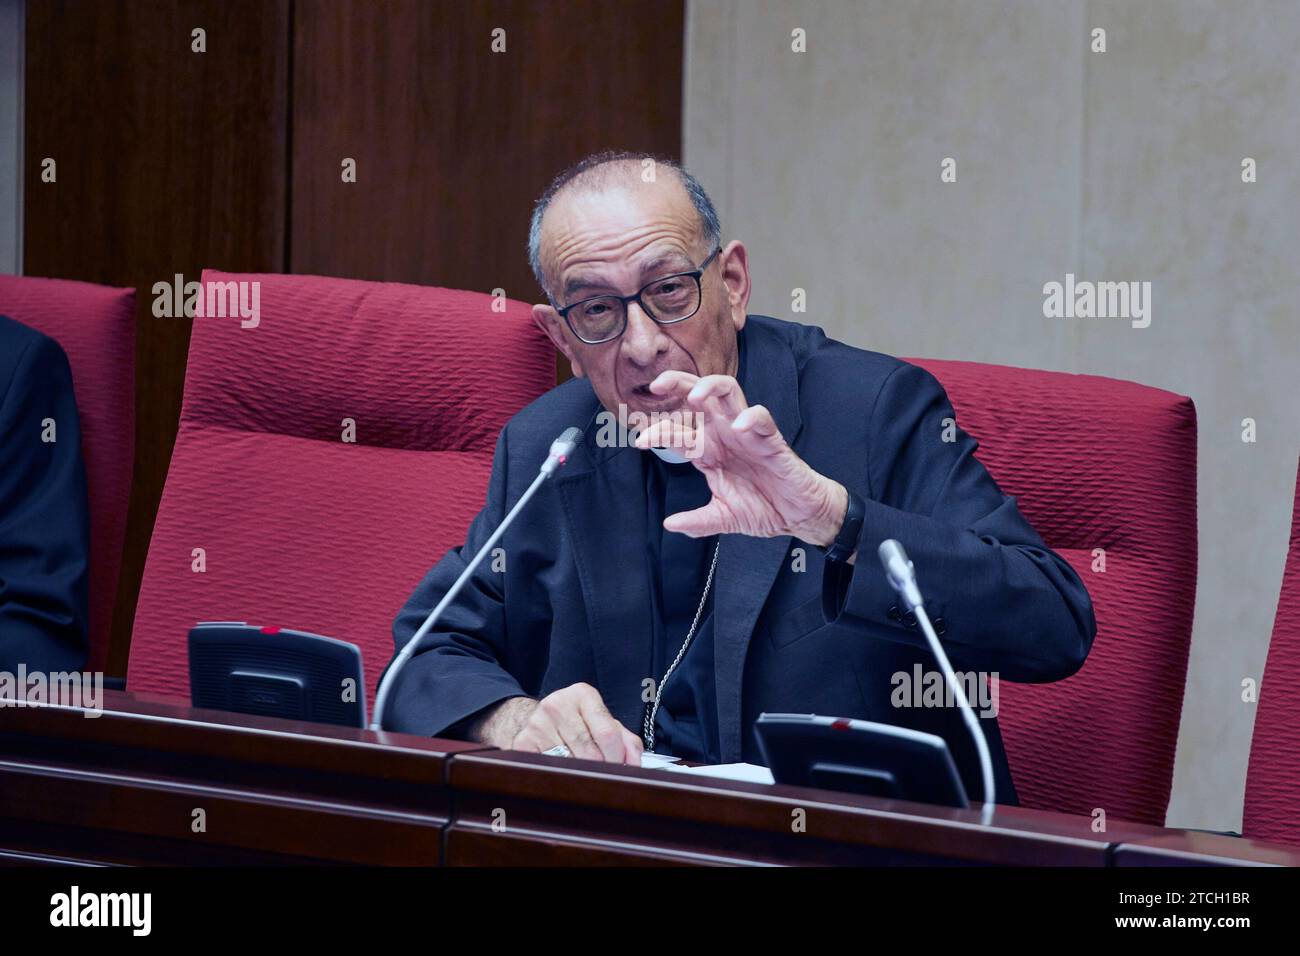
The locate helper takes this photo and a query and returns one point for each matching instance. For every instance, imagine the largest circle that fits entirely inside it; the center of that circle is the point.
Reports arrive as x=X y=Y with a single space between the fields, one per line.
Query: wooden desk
x=124 y=787
x=1195 y=848
x=556 y=812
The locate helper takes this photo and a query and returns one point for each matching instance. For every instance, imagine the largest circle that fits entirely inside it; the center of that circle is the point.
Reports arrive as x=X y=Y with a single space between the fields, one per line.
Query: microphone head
x=571 y=437
x=899 y=571
x=892 y=556
x=561 y=449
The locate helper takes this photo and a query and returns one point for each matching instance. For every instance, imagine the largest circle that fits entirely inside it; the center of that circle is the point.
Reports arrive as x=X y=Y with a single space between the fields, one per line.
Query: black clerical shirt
x=686 y=725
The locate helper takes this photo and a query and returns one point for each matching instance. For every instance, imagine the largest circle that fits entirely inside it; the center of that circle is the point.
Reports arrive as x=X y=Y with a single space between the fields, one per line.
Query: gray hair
x=710 y=227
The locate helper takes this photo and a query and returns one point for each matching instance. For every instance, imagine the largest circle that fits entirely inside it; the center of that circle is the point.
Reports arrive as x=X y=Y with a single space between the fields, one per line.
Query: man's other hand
x=574 y=716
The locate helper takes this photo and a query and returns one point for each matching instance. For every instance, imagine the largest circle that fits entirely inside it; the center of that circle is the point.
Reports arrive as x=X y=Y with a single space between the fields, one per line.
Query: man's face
x=615 y=240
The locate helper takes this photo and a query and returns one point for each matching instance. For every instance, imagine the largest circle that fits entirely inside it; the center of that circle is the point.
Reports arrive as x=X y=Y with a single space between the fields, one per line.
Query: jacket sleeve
x=1004 y=602
x=458 y=669
x=44 y=517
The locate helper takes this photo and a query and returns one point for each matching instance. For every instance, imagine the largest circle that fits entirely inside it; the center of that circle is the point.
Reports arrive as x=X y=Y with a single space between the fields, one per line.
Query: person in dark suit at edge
x=746 y=574
x=44 y=517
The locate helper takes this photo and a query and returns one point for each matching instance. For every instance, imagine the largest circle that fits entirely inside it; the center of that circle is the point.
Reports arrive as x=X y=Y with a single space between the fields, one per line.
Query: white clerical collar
x=670 y=455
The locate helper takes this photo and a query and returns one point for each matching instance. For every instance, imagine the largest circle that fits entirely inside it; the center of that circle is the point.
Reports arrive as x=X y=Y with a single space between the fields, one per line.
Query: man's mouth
x=641 y=395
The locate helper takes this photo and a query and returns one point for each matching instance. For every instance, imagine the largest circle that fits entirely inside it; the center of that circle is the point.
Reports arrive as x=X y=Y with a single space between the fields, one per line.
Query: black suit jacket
x=572 y=603
x=44 y=518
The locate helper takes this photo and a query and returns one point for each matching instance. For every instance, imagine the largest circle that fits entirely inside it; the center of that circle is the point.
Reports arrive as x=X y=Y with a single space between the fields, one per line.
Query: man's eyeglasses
x=668 y=299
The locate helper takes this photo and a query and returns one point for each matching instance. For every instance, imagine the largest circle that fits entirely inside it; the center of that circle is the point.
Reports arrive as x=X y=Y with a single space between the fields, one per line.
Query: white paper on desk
x=748 y=772
x=654 y=761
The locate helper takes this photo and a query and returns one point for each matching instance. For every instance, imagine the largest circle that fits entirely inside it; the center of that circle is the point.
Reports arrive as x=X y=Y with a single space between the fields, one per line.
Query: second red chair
x=327 y=457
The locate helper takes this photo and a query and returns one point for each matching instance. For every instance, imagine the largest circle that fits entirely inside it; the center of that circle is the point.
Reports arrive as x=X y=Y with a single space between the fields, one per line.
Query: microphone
x=902 y=578
x=899 y=571
x=561 y=449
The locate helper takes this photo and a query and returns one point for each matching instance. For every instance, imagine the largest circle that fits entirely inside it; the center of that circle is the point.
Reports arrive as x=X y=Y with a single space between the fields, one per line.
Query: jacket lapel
x=748 y=566
x=605 y=508
x=604 y=505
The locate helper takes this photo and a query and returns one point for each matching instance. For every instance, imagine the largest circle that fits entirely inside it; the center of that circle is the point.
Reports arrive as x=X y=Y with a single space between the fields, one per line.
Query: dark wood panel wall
x=172 y=161
x=168 y=161
x=453 y=141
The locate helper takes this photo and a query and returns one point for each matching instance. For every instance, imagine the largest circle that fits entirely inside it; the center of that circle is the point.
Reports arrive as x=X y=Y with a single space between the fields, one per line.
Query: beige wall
x=1123 y=165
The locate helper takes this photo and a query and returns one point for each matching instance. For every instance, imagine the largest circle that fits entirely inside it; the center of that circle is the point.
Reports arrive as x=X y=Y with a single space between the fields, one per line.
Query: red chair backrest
x=298 y=527
x=1272 y=809
x=95 y=325
x=1097 y=463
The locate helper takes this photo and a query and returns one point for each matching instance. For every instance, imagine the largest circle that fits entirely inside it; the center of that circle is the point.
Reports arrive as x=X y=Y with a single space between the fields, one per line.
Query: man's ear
x=549 y=321
x=734 y=266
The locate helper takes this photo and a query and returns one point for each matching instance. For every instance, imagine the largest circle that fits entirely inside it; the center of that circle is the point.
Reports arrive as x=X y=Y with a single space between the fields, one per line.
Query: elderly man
x=663 y=592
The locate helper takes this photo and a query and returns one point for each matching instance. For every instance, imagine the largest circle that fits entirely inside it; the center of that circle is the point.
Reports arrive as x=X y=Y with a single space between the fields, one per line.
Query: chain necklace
x=652 y=707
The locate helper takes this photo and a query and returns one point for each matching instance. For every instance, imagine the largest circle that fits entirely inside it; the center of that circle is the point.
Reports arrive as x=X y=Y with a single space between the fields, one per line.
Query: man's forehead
x=645 y=225
x=647 y=262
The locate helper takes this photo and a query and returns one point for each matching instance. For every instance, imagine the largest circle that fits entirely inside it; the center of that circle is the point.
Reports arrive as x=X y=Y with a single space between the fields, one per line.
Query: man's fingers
x=756 y=431
x=561 y=711
x=696 y=391
x=670 y=433
x=603 y=729
x=718 y=395
x=531 y=740
x=577 y=717
x=632 y=748
x=702 y=522
x=755 y=418
x=674 y=382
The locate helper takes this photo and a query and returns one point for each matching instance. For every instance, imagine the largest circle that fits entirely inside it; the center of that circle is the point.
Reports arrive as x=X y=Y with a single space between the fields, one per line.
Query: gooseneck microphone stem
x=967 y=712
x=902 y=576
x=560 y=451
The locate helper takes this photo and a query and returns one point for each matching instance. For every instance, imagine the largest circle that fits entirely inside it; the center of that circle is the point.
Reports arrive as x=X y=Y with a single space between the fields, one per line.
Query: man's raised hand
x=760 y=486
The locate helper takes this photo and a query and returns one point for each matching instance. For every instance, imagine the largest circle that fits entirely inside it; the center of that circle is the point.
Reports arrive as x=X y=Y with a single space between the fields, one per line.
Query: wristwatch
x=846 y=542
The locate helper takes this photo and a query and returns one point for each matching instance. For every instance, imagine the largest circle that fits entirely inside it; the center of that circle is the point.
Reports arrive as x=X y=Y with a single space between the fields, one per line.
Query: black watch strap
x=846 y=542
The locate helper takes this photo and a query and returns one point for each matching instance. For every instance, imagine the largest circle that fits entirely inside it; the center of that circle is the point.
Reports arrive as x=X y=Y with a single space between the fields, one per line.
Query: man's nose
x=644 y=338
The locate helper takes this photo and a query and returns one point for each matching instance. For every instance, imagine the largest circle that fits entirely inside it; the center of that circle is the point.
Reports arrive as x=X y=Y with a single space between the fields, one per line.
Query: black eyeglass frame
x=627 y=300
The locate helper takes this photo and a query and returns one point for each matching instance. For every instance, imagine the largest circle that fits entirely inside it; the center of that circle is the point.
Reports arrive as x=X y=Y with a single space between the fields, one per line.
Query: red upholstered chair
x=1096 y=463
x=95 y=325
x=1272 y=810
x=299 y=528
